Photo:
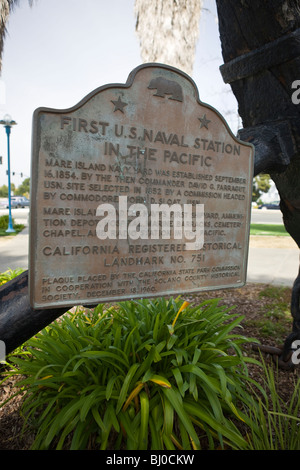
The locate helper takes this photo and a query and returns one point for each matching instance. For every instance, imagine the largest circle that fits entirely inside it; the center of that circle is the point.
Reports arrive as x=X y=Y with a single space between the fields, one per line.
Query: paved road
x=19 y=215
x=259 y=216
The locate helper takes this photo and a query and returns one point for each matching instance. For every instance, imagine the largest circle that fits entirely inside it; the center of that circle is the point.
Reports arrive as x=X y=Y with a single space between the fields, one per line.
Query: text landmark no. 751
x=140 y=190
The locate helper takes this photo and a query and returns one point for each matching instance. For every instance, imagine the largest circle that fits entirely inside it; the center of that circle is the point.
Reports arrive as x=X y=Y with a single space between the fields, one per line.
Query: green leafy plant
x=10 y=274
x=4 y=221
x=4 y=224
x=145 y=374
x=275 y=424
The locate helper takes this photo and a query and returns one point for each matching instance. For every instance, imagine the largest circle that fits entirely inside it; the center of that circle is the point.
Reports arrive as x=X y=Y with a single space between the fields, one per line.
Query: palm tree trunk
x=6 y=6
x=168 y=31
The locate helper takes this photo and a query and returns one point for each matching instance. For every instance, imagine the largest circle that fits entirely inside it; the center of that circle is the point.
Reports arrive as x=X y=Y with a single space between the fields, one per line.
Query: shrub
x=10 y=274
x=275 y=423
x=145 y=374
x=4 y=219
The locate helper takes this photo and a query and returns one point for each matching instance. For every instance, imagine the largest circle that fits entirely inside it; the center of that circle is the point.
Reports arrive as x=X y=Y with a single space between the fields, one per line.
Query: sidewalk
x=273 y=266
x=272 y=262
x=14 y=251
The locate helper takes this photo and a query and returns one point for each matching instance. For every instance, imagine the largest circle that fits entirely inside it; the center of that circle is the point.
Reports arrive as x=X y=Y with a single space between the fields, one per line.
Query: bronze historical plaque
x=140 y=190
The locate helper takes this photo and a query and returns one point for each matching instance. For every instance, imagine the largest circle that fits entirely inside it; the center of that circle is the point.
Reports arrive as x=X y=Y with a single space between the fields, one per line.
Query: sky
x=58 y=51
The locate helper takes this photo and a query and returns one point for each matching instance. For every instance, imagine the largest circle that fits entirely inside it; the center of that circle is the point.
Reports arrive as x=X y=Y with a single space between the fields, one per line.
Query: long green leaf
x=179 y=380
x=168 y=442
x=112 y=416
x=177 y=403
x=62 y=418
x=80 y=436
x=146 y=364
x=130 y=429
x=215 y=404
x=67 y=430
x=156 y=441
x=105 y=355
x=110 y=385
x=125 y=386
x=90 y=401
x=235 y=438
x=143 y=435
x=168 y=417
x=186 y=444
x=98 y=419
x=197 y=370
x=225 y=330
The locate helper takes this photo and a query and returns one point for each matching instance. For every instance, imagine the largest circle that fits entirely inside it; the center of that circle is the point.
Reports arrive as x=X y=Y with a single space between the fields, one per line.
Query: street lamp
x=8 y=123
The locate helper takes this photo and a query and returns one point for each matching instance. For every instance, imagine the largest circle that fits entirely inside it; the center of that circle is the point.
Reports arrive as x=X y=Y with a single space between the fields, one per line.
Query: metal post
x=10 y=224
x=8 y=123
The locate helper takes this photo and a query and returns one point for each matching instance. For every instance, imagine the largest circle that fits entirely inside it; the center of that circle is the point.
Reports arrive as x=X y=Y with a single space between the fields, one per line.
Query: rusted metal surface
x=153 y=141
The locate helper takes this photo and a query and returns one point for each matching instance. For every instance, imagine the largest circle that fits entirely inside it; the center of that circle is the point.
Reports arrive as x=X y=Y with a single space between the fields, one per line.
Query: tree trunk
x=261 y=50
x=262 y=59
x=168 y=31
x=6 y=7
x=18 y=321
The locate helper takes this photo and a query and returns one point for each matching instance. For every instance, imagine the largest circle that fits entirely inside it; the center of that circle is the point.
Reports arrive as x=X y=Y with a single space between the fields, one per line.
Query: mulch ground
x=247 y=301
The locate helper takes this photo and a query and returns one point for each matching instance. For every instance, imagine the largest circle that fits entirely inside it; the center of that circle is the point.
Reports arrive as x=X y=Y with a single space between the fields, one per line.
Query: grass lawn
x=268 y=229
x=4 y=220
x=18 y=228
x=274 y=315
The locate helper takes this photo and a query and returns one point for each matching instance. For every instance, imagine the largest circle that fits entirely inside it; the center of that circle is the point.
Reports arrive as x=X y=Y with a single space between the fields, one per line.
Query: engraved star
x=119 y=105
x=204 y=122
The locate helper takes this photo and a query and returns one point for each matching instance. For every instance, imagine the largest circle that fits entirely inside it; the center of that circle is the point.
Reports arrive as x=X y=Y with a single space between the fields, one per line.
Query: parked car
x=18 y=201
x=13 y=204
x=270 y=205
